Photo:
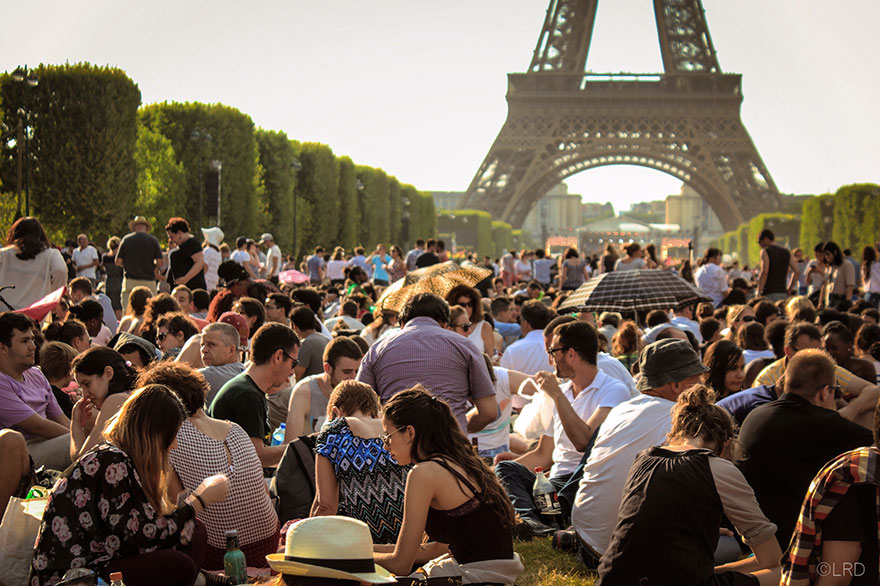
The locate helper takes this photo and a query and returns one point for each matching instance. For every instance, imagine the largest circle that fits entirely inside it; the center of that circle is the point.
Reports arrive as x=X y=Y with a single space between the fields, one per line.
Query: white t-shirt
x=274 y=253
x=613 y=368
x=749 y=355
x=240 y=256
x=336 y=269
x=712 y=279
x=604 y=391
x=84 y=257
x=527 y=355
x=633 y=426
x=497 y=433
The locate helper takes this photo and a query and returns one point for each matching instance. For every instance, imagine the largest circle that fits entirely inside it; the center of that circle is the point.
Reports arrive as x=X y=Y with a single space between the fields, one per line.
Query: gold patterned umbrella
x=439 y=279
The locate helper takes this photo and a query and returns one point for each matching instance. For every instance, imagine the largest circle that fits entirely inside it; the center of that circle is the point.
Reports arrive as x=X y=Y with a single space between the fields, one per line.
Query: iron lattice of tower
x=562 y=120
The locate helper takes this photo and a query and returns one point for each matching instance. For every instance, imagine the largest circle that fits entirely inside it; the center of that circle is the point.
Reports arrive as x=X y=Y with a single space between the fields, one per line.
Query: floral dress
x=99 y=513
x=371 y=483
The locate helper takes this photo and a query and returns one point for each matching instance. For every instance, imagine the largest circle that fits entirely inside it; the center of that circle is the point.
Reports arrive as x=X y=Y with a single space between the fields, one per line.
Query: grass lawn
x=546 y=566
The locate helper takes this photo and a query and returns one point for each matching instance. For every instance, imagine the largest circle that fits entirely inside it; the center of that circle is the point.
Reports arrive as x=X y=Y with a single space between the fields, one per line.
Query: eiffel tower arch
x=685 y=122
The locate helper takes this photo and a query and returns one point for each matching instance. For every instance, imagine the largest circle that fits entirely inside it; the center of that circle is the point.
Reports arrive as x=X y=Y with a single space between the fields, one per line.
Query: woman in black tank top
x=450 y=493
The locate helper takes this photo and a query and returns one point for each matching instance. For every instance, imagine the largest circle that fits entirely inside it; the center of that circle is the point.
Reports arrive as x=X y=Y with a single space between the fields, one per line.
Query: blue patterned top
x=371 y=484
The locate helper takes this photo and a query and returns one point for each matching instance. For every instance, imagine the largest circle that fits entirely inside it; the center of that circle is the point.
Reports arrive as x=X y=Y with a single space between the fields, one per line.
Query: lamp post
x=199 y=138
x=22 y=75
x=297 y=167
x=405 y=220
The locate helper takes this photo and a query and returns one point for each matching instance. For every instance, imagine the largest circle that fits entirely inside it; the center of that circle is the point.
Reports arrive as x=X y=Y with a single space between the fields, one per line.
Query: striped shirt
x=422 y=352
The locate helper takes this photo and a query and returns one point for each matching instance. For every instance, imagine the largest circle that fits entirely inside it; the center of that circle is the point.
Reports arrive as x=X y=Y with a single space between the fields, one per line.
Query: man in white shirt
x=580 y=407
x=528 y=355
x=668 y=368
x=273 y=256
x=683 y=318
x=85 y=259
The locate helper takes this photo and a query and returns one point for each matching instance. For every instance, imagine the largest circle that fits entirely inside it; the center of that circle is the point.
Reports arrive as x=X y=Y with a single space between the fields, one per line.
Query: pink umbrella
x=293 y=277
x=37 y=311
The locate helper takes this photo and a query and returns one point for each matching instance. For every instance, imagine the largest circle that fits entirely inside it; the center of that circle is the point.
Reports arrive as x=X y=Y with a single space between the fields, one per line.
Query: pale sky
x=417 y=88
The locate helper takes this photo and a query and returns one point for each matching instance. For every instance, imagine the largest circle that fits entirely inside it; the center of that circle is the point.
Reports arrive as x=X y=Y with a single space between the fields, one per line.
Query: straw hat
x=140 y=220
x=330 y=547
x=213 y=235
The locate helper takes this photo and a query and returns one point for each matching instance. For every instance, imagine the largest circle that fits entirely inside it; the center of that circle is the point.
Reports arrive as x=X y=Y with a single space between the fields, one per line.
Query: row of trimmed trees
x=97 y=158
x=850 y=217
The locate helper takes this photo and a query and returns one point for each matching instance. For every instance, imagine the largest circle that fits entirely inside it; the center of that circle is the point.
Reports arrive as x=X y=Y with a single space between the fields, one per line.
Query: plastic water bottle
x=116 y=579
x=234 y=564
x=278 y=436
x=544 y=495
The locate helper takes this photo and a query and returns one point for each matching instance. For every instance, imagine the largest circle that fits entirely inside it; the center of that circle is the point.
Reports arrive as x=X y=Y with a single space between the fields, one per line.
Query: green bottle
x=234 y=564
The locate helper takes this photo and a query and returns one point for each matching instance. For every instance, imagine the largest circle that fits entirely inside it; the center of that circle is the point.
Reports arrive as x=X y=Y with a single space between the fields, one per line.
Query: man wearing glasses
x=242 y=400
x=580 y=406
x=787 y=441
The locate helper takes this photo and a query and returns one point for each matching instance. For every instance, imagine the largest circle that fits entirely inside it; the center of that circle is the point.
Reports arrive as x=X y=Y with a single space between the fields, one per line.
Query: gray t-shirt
x=311 y=353
x=218 y=375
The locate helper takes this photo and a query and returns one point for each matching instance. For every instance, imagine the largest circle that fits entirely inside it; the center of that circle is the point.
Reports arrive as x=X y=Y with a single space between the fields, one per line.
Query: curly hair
x=696 y=415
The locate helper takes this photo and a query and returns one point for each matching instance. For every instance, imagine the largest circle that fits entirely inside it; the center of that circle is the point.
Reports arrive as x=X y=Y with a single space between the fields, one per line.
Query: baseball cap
x=266 y=237
x=668 y=361
x=239 y=322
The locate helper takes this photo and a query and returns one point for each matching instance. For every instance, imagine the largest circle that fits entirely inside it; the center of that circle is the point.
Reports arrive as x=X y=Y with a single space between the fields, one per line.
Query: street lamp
x=297 y=167
x=29 y=78
x=199 y=138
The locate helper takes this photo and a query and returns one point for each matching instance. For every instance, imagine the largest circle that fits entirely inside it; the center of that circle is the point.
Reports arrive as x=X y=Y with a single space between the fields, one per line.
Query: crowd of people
x=175 y=392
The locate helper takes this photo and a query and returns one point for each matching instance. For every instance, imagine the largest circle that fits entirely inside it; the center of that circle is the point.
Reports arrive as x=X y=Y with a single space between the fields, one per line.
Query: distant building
x=446 y=200
x=693 y=213
x=556 y=214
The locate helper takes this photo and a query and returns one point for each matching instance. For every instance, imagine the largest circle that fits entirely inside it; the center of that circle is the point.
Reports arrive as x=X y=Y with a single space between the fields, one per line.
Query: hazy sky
x=417 y=88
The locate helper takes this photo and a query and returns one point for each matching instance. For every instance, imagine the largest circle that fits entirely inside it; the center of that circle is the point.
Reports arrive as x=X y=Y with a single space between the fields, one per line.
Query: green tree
x=82 y=144
x=233 y=143
x=347 y=234
x=319 y=185
x=855 y=216
x=278 y=180
x=817 y=219
x=160 y=178
x=502 y=234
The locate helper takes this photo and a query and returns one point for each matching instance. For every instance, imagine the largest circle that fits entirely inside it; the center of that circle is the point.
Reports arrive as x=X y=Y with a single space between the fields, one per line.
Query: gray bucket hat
x=668 y=361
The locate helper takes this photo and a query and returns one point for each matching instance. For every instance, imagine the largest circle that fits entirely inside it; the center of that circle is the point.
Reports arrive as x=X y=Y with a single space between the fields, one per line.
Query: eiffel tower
x=685 y=122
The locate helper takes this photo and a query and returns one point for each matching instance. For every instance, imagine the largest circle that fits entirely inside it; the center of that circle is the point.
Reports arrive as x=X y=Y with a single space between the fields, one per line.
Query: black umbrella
x=635 y=290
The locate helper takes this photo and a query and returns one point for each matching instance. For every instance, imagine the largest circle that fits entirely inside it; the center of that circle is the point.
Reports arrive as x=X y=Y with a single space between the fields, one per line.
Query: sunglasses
x=291 y=358
x=747 y=318
x=162 y=336
x=838 y=392
x=553 y=351
x=386 y=437
x=468 y=303
x=464 y=327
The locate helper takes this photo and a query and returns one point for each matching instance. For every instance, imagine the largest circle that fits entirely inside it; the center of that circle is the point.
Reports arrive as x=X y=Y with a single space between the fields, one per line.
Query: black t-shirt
x=240 y=400
x=182 y=262
x=138 y=252
x=784 y=445
x=855 y=519
x=427 y=259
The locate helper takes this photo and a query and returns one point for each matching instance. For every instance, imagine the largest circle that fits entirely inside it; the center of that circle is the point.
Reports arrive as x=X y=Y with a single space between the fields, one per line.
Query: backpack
x=293 y=485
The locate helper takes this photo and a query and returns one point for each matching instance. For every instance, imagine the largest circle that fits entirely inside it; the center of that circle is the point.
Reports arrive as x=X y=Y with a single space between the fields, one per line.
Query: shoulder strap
x=458 y=475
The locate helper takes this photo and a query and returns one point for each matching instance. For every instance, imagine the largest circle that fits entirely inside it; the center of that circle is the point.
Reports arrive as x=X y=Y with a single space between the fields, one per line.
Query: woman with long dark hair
x=134 y=315
x=871 y=275
x=726 y=363
x=480 y=331
x=106 y=381
x=450 y=494
x=28 y=261
x=681 y=491
x=111 y=511
x=840 y=276
x=573 y=271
